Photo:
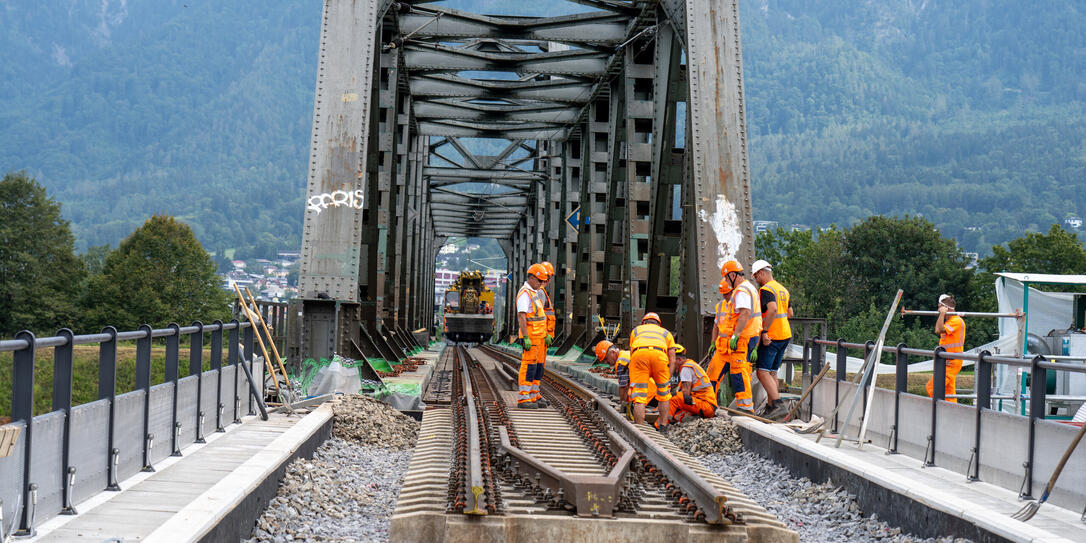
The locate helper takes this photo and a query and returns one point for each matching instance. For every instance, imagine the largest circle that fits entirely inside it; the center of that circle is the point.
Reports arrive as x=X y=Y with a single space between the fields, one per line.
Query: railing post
x=938 y=392
x=22 y=408
x=143 y=380
x=247 y=347
x=817 y=359
x=233 y=359
x=62 y=401
x=984 y=401
x=173 y=345
x=841 y=373
x=107 y=388
x=216 y=366
x=901 y=383
x=196 y=367
x=869 y=346
x=1037 y=384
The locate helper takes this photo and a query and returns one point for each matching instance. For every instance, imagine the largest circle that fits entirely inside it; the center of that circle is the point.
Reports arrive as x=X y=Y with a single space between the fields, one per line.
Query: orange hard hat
x=538 y=271
x=602 y=348
x=650 y=316
x=724 y=287
x=731 y=266
x=549 y=267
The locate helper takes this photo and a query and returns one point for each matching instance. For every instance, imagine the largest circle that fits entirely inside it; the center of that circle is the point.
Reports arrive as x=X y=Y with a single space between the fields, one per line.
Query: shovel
x=1031 y=508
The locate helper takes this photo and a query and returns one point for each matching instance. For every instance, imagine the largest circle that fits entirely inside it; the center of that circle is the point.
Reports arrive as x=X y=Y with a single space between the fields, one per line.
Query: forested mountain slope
x=969 y=112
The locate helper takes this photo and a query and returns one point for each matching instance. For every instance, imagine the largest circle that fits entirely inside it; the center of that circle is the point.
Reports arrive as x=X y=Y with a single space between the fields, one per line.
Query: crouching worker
x=695 y=395
x=610 y=354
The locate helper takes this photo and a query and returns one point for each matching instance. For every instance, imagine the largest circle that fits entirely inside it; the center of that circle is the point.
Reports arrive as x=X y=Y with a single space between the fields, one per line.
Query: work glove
x=687 y=399
x=548 y=340
x=733 y=343
x=527 y=344
x=753 y=356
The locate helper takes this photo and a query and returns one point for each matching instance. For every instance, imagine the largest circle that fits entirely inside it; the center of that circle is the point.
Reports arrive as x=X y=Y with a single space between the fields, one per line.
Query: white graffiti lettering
x=339 y=198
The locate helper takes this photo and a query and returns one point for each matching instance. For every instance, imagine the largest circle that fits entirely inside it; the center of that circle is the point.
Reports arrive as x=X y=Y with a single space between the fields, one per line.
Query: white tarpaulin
x=1047 y=311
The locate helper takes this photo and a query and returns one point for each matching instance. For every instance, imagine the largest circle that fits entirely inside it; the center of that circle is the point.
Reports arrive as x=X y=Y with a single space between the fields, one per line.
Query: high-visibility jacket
x=537 y=319
x=651 y=336
x=754 y=325
x=622 y=368
x=953 y=339
x=701 y=387
x=548 y=309
x=722 y=322
x=779 y=328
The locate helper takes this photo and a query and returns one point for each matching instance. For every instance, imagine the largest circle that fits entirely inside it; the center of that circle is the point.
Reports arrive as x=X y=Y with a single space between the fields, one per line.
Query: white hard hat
x=758 y=266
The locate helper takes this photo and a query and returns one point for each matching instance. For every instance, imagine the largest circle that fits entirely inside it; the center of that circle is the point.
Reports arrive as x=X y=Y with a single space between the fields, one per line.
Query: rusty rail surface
x=687 y=487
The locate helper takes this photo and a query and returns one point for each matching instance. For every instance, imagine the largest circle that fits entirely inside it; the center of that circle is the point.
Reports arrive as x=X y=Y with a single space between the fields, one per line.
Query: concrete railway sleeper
x=636 y=466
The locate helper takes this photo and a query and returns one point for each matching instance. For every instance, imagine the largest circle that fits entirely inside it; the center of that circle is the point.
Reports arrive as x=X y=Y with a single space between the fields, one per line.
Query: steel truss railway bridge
x=628 y=117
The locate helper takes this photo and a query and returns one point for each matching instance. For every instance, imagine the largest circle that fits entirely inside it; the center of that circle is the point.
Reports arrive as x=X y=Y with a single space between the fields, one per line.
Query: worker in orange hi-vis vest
x=745 y=326
x=776 y=333
x=652 y=351
x=951 y=332
x=548 y=307
x=532 y=328
x=695 y=395
x=718 y=365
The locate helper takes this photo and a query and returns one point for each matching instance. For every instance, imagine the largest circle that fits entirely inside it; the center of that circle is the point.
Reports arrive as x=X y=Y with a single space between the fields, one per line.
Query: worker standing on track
x=745 y=327
x=951 y=332
x=548 y=307
x=652 y=352
x=695 y=394
x=776 y=332
x=718 y=365
x=532 y=322
x=610 y=354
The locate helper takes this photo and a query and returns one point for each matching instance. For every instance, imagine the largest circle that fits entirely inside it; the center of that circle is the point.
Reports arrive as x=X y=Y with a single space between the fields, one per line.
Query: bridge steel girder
x=718 y=176
x=600 y=126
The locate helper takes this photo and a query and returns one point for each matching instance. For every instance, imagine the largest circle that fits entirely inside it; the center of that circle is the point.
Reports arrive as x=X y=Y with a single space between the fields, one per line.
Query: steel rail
x=708 y=498
x=473 y=486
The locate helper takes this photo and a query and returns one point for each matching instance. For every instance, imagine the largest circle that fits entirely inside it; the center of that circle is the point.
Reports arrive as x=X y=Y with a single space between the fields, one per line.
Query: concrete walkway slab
x=985 y=506
x=188 y=496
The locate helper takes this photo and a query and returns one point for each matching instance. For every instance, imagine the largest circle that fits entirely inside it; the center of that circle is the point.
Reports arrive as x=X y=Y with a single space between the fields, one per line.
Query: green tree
x=1058 y=251
x=95 y=258
x=39 y=271
x=159 y=274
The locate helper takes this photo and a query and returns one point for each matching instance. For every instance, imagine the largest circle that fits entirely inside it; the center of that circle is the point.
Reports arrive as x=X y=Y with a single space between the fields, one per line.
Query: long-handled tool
x=259 y=339
x=795 y=408
x=869 y=376
x=1031 y=508
x=740 y=413
x=862 y=374
x=267 y=332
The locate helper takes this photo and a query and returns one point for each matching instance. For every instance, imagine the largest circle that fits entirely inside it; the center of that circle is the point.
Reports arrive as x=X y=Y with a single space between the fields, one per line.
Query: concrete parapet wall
x=1003 y=446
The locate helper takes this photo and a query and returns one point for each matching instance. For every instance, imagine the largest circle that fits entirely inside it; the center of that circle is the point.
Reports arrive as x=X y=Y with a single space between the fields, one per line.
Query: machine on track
x=469 y=309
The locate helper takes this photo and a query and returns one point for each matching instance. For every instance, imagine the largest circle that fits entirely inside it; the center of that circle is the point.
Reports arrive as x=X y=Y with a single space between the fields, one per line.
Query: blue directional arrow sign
x=574 y=219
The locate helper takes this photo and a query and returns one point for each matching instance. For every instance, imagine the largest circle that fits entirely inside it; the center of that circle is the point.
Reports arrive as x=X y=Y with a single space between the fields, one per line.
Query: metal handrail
x=814 y=353
x=10 y=345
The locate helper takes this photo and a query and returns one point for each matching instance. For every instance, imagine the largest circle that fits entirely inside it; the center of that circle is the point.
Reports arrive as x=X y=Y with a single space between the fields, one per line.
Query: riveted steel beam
x=450 y=109
x=572 y=91
x=430 y=57
x=600 y=28
x=470 y=129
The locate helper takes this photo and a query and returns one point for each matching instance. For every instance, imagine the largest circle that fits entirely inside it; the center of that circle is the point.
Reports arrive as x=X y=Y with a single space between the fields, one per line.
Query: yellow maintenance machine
x=469 y=309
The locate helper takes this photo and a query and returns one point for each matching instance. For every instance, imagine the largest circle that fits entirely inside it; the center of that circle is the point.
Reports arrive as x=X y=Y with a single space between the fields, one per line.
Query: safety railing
x=276 y=316
x=814 y=353
x=72 y=452
x=803 y=330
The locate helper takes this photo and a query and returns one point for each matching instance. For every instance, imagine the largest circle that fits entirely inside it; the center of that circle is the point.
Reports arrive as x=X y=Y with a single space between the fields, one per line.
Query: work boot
x=527 y=405
x=542 y=403
x=780 y=409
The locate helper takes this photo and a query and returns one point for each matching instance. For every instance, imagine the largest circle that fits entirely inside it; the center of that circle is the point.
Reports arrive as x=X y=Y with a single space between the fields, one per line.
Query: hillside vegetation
x=970 y=113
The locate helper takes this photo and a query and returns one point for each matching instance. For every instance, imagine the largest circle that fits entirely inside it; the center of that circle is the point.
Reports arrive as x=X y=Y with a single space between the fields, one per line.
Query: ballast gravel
x=348 y=490
x=819 y=512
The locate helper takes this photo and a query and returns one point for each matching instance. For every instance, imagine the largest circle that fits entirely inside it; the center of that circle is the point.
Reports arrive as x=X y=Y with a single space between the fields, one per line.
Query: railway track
x=576 y=461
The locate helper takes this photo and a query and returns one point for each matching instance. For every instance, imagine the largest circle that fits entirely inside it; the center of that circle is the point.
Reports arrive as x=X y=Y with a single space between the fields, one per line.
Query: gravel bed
x=819 y=512
x=348 y=490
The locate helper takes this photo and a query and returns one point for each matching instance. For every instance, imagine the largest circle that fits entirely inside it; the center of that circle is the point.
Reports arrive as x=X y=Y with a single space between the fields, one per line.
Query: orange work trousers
x=952 y=369
x=649 y=366
x=680 y=410
x=531 y=371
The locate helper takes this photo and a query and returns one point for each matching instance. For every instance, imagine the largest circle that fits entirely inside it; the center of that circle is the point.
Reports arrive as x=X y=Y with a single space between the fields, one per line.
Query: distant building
x=239 y=264
x=289 y=255
x=800 y=228
x=1073 y=222
x=973 y=258
x=764 y=226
